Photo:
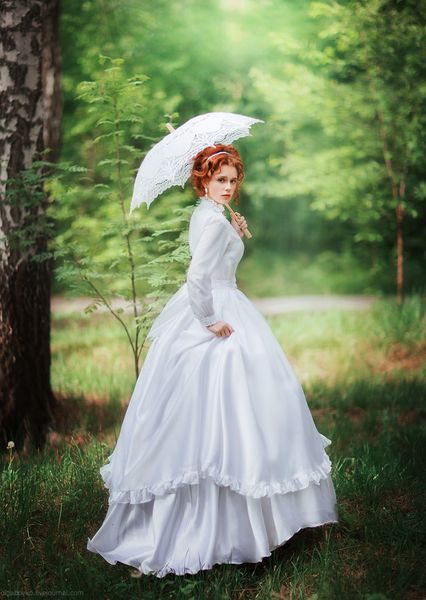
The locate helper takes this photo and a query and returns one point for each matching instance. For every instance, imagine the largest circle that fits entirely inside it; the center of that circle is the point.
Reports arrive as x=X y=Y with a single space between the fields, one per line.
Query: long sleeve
x=206 y=256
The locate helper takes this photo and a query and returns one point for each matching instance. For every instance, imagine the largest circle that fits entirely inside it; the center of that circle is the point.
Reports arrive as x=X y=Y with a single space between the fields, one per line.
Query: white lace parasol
x=169 y=162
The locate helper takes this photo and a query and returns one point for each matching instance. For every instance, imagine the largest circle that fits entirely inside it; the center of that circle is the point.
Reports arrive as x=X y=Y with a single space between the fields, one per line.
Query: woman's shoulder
x=204 y=215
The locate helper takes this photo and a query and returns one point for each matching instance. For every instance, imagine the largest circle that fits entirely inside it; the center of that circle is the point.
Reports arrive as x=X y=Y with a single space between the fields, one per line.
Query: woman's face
x=223 y=184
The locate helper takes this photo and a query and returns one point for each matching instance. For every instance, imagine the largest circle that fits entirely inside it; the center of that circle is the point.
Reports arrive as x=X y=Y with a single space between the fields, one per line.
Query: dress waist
x=223 y=283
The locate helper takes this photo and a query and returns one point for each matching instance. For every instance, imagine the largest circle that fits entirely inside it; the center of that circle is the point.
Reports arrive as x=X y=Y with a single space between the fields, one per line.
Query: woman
x=218 y=458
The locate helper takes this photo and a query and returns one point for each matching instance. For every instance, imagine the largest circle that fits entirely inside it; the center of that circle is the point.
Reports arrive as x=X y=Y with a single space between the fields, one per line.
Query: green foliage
x=350 y=107
x=318 y=73
x=133 y=258
x=267 y=274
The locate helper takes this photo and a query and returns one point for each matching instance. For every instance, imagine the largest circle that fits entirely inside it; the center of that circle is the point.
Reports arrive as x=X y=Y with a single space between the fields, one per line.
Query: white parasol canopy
x=169 y=162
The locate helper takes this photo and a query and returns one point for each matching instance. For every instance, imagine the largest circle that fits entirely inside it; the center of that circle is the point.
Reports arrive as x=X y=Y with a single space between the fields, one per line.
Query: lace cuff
x=206 y=321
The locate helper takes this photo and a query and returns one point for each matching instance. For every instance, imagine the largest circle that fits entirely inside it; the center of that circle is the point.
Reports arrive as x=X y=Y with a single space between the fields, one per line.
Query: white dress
x=218 y=458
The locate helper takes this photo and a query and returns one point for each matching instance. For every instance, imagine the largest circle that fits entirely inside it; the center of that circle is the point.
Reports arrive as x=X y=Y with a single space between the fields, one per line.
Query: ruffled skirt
x=218 y=458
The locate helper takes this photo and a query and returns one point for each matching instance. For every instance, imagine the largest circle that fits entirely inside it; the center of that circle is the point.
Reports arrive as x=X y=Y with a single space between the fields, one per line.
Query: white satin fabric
x=218 y=458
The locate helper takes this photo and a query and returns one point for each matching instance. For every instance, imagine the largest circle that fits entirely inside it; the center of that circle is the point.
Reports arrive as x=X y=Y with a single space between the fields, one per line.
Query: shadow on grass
x=82 y=417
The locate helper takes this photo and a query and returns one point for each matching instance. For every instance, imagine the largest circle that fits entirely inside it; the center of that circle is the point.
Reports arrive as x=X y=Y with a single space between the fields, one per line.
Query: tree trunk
x=400 y=213
x=51 y=68
x=397 y=194
x=30 y=107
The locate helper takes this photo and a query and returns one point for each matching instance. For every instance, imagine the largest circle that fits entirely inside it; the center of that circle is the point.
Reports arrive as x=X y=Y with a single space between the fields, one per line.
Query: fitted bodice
x=216 y=249
x=225 y=242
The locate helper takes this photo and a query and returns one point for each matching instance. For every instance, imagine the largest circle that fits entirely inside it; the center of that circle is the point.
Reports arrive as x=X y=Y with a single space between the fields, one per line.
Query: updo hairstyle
x=203 y=168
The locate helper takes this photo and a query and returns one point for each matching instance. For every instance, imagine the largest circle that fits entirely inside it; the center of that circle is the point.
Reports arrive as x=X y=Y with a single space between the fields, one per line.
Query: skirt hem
x=162 y=572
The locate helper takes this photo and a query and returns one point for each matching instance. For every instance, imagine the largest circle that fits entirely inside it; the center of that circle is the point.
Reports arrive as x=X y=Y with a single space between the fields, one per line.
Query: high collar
x=207 y=201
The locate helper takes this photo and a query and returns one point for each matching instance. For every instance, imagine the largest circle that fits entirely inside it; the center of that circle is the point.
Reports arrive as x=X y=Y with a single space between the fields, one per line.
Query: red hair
x=203 y=168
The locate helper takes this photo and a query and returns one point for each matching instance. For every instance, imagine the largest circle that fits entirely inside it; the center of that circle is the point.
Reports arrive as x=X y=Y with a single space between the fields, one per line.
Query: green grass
x=364 y=379
x=97 y=347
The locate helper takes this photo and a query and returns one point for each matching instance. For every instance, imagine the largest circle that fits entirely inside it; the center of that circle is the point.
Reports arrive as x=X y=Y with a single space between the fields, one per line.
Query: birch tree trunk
x=30 y=110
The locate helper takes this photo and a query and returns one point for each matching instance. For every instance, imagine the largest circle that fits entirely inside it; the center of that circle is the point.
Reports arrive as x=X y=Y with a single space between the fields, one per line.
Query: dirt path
x=268 y=306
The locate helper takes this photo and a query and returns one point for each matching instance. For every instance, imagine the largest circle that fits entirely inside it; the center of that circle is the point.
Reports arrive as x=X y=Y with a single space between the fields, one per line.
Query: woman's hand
x=221 y=329
x=239 y=224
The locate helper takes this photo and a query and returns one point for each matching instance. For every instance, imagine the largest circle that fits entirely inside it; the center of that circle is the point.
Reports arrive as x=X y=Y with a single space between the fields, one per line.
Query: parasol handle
x=245 y=231
x=170 y=127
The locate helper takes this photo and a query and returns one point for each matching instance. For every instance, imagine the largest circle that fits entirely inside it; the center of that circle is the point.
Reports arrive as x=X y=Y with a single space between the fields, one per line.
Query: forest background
x=334 y=196
x=335 y=182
